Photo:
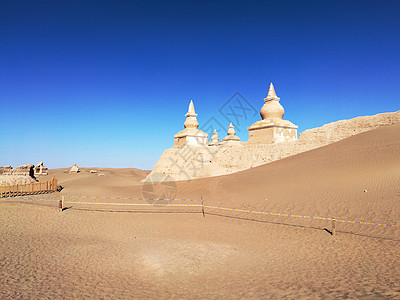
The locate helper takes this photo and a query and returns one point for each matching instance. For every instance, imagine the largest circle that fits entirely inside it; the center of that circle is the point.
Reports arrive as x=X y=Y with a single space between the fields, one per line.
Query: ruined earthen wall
x=197 y=162
x=20 y=175
x=340 y=130
x=25 y=170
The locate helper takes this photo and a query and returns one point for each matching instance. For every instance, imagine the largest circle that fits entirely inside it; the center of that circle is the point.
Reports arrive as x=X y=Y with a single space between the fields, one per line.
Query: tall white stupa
x=272 y=128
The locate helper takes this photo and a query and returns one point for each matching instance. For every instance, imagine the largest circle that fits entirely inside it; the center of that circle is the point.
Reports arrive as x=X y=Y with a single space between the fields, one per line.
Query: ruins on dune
x=270 y=139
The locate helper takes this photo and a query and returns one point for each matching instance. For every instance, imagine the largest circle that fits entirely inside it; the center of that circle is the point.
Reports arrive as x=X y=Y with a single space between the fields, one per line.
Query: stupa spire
x=191 y=109
x=191 y=121
x=271 y=94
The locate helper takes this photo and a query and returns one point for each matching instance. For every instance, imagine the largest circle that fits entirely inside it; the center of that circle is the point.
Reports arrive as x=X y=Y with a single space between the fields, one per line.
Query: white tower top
x=191 y=121
x=271 y=94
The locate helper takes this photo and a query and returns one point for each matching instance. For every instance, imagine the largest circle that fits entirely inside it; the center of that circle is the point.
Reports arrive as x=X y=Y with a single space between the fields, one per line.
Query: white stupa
x=214 y=139
x=231 y=137
x=191 y=135
x=272 y=128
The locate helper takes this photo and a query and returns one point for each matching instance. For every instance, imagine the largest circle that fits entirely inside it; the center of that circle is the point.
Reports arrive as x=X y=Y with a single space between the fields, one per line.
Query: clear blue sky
x=107 y=83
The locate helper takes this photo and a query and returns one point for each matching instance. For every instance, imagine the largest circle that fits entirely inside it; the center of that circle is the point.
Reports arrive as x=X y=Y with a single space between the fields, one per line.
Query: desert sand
x=105 y=251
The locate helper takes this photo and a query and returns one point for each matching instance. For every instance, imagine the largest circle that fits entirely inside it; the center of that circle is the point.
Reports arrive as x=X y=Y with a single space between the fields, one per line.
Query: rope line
x=300 y=216
x=220 y=208
x=133 y=204
x=124 y=198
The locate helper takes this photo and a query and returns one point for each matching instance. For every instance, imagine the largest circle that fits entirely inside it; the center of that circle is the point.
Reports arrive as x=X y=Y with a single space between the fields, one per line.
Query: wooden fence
x=28 y=189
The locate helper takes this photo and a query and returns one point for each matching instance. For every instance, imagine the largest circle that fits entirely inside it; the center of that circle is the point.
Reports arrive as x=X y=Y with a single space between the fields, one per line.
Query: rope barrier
x=134 y=204
x=300 y=216
x=124 y=198
x=216 y=207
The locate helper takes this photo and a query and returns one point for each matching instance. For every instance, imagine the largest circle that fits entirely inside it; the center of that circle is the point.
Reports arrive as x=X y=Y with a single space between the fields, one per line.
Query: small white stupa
x=191 y=135
x=231 y=137
x=272 y=128
x=214 y=139
x=74 y=169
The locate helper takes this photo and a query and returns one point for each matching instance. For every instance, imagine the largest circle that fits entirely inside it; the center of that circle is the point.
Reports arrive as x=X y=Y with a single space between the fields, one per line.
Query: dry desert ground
x=128 y=252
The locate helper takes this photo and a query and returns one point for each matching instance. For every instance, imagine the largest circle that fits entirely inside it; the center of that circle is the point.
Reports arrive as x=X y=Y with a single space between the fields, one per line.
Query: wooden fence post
x=333 y=227
x=202 y=207
x=61 y=204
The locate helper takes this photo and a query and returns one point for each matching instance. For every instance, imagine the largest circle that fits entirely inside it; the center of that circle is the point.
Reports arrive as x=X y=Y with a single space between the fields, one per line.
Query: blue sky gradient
x=107 y=83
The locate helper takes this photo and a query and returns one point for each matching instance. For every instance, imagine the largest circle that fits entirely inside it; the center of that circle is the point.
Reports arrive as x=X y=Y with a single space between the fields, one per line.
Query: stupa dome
x=272 y=109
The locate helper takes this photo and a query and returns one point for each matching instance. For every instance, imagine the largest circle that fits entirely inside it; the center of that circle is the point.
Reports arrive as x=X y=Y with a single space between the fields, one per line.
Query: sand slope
x=124 y=253
x=329 y=181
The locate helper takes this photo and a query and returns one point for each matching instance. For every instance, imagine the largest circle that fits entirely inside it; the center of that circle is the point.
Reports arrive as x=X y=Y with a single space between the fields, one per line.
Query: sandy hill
x=106 y=182
x=356 y=177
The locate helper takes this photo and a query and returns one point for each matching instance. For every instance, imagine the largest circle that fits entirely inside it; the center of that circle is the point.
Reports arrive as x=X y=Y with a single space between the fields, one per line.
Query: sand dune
x=121 y=253
x=358 y=177
x=106 y=182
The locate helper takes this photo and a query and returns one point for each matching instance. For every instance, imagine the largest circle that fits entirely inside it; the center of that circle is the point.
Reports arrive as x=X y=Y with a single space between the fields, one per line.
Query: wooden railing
x=28 y=189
